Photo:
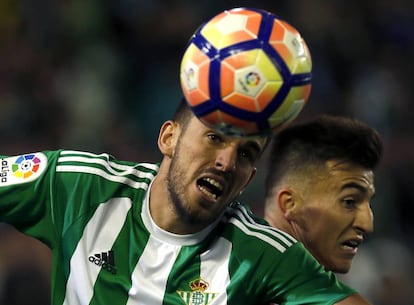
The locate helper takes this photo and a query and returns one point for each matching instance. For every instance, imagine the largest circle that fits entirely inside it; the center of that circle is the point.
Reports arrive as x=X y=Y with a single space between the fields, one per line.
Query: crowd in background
x=103 y=75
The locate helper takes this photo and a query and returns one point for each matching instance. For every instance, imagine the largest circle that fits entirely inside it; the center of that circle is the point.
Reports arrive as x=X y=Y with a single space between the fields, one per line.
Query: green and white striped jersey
x=93 y=212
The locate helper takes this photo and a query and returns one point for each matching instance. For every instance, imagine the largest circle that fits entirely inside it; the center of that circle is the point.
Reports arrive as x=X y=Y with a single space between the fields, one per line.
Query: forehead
x=347 y=174
x=261 y=142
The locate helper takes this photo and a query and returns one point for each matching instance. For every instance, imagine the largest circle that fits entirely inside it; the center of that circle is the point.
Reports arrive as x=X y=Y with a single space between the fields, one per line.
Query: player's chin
x=340 y=266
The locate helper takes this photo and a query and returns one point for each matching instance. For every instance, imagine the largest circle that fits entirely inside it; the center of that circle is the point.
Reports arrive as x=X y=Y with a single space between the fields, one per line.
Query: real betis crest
x=198 y=294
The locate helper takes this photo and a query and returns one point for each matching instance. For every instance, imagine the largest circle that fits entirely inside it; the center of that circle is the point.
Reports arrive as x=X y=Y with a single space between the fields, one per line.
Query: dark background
x=103 y=76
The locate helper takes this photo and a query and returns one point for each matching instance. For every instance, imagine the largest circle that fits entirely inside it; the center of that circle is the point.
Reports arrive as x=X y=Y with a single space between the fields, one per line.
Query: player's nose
x=226 y=158
x=364 y=220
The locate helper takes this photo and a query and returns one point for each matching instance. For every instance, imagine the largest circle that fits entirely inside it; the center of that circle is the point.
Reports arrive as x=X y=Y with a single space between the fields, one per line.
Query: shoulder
x=106 y=167
x=84 y=160
x=247 y=229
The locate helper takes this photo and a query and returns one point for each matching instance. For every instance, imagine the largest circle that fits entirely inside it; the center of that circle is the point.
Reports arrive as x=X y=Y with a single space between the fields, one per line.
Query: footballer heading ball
x=246 y=72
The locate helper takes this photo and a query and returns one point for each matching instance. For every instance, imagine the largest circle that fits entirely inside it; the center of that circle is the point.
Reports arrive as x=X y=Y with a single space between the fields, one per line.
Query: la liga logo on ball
x=246 y=72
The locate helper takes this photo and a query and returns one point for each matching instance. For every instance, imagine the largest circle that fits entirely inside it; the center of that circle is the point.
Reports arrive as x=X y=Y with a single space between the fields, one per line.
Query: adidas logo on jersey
x=105 y=260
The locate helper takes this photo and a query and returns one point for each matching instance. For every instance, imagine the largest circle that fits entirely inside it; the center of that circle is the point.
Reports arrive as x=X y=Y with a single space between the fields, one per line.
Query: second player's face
x=208 y=170
x=335 y=214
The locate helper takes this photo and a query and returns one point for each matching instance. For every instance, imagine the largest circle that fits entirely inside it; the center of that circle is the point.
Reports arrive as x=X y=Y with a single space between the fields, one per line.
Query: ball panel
x=196 y=97
x=241 y=74
x=195 y=67
x=266 y=67
x=241 y=59
x=253 y=23
x=291 y=107
x=247 y=73
x=227 y=79
x=302 y=63
x=242 y=101
x=278 y=32
x=287 y=42
x=230 y=28
x=287 y=112
x=229 y=124
x=264 y=98
x=299 y=93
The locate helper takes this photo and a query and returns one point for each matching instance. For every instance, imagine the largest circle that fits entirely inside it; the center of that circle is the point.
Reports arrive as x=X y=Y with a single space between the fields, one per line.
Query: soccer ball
x=246 y=72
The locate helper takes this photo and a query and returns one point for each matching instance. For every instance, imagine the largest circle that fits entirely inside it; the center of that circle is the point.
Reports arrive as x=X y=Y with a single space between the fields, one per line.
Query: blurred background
x=103 y=76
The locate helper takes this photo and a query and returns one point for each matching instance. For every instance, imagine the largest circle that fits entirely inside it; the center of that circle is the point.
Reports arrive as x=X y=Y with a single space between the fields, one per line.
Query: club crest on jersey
x=21 y=169
x=198 y=294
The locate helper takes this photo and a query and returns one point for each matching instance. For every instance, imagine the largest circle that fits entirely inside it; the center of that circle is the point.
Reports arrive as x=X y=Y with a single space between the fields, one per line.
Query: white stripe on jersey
x=215 y=269
x=84 y=153
x=150 y=276
x=93 y=158
x=250 y=222
x=103 y=174
x=107 y=221
x=242 y=226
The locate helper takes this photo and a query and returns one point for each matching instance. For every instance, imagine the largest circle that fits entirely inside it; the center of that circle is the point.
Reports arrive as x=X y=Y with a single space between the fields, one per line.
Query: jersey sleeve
x=26 y=190
x=299 y=278
x=48 y=194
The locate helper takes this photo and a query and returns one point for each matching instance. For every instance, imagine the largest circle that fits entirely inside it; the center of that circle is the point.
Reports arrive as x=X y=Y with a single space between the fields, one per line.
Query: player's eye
x=213 y=137
x=248 y=154
x=349 y=202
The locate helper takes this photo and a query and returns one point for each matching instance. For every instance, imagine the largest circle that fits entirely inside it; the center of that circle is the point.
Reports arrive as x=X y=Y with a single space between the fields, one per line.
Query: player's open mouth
x=351 y=244
x=210 y=187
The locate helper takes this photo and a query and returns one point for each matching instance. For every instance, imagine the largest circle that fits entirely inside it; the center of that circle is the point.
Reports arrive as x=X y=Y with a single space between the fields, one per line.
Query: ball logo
x=249 y=82
x=297 y=47
x=25 y=166
x=190 y=77
x=252 y=79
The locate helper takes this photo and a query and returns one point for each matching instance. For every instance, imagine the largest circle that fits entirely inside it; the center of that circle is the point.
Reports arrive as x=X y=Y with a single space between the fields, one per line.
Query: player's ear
x=167 y=138
x=287 y=203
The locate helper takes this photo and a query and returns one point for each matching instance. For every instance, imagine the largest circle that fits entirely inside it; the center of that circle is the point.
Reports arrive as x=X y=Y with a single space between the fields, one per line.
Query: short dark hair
x=319 y=140
x=183 y=113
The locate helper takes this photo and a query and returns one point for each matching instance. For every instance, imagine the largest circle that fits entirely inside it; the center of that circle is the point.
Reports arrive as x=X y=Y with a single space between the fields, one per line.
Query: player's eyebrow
x=355 y=185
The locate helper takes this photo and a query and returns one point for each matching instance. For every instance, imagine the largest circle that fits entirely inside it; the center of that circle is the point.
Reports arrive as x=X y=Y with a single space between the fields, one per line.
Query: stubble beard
x=176 y=191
